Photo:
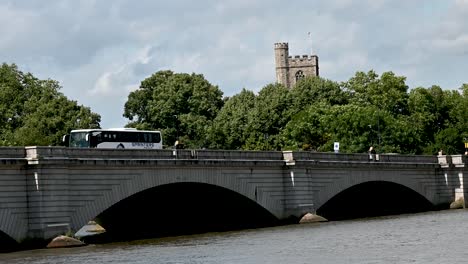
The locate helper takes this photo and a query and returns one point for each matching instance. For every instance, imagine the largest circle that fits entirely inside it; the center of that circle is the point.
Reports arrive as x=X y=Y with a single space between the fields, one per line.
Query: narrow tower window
x=299 y=75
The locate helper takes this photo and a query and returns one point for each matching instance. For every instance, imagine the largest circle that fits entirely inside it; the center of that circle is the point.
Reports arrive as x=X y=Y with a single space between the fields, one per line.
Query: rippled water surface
x=433 y=237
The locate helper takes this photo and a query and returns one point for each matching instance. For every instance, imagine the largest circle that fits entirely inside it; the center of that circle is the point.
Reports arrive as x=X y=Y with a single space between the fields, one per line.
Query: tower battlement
x=290 y=69
x=281 y=45
x=302 y=58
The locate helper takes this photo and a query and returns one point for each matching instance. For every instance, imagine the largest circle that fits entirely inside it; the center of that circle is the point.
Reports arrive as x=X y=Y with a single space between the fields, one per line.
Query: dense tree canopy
x=181 y=105
x=367 y=110
x=313 y=90
x=268 y=117
x=34 y=112
x=229 y=128
x=389 y=92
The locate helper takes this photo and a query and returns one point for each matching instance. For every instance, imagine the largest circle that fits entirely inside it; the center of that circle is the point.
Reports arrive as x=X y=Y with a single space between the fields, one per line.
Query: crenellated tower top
x=290 y=69
x=281 y=45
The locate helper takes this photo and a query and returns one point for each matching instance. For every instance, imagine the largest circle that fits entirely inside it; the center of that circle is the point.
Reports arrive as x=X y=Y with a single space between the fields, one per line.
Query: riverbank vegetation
x=367 y=110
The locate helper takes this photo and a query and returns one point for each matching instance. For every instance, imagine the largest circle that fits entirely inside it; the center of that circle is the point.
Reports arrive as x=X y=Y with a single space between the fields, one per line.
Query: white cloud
x=186 y=63
x=458 y=45
x=103 y=85
x=143 y=56
x=117 y=78
x=461 y=3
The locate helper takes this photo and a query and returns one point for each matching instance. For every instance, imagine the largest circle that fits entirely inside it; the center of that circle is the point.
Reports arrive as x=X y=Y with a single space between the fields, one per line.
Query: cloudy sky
x=100 y=50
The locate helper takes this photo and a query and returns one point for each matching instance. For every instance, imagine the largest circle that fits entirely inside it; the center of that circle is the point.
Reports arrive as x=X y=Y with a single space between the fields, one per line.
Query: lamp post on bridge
x=378 y=131
x=176 y=124
x=466 y=145
x=378 y=128
x=177 y=144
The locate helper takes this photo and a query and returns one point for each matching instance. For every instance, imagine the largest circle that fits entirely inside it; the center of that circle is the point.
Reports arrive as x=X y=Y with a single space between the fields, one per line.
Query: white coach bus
x=123 y=138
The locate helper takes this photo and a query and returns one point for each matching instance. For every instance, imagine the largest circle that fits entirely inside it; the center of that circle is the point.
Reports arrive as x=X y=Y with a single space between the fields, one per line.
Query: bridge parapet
x=12 y=153
x=239 y=155
x=358 y=157
x=38 y=152
x=408 y=158
x=323 y=156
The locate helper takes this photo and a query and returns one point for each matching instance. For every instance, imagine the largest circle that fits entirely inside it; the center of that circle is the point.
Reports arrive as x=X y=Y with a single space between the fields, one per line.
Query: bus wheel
x=120 y=146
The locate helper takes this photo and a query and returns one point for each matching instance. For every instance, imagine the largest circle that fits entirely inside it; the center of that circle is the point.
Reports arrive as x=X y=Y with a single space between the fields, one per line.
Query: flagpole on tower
x=310 y=43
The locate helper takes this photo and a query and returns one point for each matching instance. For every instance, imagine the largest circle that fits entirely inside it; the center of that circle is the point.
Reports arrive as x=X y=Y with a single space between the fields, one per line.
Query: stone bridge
x=45 y=191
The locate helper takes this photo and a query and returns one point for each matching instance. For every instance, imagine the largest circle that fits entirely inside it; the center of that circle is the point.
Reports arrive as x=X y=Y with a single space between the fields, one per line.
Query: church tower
x=281 y=60
x=289 y=70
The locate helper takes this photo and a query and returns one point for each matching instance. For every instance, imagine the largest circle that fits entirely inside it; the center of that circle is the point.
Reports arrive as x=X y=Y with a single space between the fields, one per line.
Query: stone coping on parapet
x=161 y=163
x=12 y=152
x=357 y=157
x=73 y=153
x=359 y=164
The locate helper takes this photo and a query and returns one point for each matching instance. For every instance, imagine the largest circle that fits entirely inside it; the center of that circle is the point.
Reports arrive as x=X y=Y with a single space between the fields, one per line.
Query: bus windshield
x=79 y=140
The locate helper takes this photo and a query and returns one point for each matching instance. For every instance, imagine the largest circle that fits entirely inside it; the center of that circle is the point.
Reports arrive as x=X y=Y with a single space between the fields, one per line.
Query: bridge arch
x=126 y=185
x=374 y=198
x=8 y=243
x=420 y=180
x=180 y=209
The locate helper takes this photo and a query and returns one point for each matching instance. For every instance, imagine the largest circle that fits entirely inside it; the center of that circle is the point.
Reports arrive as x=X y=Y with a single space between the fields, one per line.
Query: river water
x=431 y=237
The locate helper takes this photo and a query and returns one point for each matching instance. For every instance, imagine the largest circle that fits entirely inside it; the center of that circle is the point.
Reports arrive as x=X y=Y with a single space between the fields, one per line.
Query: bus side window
x=156 y=138
x=118 y=137
x=133 y=136
x=122 y=136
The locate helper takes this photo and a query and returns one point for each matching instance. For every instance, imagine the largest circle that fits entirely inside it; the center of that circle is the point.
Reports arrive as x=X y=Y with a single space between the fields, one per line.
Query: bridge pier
x=455 y=171
x=48 y=193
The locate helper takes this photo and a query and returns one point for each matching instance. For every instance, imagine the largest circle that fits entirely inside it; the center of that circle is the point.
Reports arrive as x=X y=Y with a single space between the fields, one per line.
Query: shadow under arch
x=374 y=198
x=7 y=243
x=181 y=209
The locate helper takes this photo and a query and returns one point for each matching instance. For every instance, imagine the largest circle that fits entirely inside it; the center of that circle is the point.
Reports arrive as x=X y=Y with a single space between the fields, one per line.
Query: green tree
x=462 y=112
x=440 y=117
x=34 y=112
x=308 y=129
x=356 y=127
x=389 y=92
x=181 y=105
x=423 y=113
x=228 y=130
x=268 y=117
x=314 y=89
x=453 y=118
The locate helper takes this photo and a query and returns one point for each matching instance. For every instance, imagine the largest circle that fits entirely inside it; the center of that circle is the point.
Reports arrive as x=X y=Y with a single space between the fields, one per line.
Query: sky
x=99 y=51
